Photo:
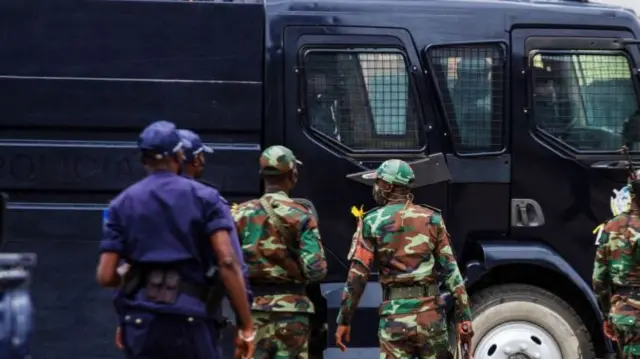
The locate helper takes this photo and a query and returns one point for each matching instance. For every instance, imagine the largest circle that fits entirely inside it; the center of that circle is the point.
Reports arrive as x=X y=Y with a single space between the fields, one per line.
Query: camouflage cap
x=277 y=160
x=393 y=171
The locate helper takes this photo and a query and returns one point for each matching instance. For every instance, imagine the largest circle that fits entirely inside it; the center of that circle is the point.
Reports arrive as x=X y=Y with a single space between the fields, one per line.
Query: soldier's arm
x=313 y=260
x=111 y=248
x=243 y=266
x=449 y=266
x=361 y=261
x=601 y=275
x=236 y=241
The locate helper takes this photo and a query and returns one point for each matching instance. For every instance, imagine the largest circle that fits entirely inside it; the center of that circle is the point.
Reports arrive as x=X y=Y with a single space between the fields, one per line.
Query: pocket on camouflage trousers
x=293 y=332
x=624 y=315
x=432 y=323
x=397 y=327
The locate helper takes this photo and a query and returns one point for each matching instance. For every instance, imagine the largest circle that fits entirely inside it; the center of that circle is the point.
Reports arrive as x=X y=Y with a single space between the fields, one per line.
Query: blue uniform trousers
x=147 y=335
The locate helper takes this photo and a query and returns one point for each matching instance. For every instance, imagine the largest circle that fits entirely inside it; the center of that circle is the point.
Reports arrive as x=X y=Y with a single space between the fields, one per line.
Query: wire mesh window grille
x=362 y=99
x=471 y=82
x=583 y=99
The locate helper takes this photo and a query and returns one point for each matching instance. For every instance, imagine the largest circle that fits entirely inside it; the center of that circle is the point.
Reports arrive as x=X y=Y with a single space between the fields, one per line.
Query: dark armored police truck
x=510 y=112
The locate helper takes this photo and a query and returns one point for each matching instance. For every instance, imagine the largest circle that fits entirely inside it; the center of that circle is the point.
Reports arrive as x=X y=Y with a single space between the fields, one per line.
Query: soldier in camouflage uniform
x=409 y=242
x=282 y=250
x=616 y=281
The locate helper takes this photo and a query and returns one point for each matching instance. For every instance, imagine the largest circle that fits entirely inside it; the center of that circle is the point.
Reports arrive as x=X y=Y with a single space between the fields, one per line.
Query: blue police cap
x=161 y=138
x=192 y=144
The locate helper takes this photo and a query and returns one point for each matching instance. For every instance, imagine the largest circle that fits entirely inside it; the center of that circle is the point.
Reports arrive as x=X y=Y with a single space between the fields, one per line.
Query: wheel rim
x=517 y=340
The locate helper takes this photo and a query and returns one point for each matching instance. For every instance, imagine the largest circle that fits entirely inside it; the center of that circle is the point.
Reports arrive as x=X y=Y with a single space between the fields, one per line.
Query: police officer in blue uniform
x=194 y=154
x=192 y=168
x=166 y=227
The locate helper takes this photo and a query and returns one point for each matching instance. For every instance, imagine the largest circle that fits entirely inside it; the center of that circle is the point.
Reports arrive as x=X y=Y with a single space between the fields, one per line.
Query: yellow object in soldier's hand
x=598 y=232
x=234 y=208
x=595 y=230
x=357 y=212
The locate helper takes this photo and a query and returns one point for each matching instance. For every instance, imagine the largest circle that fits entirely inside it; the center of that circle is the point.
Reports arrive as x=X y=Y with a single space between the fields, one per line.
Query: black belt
x=137 y=278
x=264 y=289
x=198 y=291
x=627 y=291
x=409 y=291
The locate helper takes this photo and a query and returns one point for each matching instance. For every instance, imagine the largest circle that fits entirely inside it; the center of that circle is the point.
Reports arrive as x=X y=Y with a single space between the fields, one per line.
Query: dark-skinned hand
x=343 y=332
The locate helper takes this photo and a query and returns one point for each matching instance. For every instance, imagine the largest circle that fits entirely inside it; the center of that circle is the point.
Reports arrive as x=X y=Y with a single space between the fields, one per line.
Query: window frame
x=361 y=48
x=506 y=88
x=542 y=133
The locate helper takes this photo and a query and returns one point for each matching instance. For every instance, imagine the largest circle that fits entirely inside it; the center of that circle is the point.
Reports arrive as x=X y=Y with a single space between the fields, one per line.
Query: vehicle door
x=470 y=80
x=573 y=90
x=352 y=100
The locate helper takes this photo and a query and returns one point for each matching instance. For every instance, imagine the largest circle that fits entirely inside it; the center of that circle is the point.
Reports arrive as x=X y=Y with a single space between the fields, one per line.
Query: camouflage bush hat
x=277 y=160
x=394 y=172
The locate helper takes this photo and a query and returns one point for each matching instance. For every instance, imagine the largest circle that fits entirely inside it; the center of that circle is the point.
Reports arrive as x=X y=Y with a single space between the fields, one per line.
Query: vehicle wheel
x=518 y=321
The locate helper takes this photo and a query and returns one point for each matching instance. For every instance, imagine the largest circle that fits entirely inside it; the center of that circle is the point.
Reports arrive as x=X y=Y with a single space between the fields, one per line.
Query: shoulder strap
x=275 y=219
x=288 y=235
x=457 y=351
x=370 y=211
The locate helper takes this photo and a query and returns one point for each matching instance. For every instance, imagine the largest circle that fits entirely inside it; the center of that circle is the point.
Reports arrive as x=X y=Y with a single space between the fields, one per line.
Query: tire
x=518 y=318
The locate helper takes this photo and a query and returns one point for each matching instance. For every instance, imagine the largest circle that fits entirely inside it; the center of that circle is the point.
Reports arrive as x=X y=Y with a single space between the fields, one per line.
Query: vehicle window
x=583 y=99
x=471 y=82
x=361 y=99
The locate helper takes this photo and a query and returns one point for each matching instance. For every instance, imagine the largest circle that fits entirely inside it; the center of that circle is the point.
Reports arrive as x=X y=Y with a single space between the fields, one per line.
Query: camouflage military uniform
x=410 y=241
x=282 y=319
x=616 y=281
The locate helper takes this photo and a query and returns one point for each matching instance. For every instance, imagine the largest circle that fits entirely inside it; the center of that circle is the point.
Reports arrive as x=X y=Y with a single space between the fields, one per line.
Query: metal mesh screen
x=361 y=99
x=471 y=82
x=583 y=99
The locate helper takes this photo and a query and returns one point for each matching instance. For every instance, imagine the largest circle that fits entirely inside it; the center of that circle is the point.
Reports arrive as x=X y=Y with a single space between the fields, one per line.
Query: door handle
x=526 y=212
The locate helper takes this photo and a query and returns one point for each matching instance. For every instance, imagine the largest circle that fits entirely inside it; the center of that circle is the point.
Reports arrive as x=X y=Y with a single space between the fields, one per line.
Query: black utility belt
x=161 y=285
x=409 y=291
x=627 y=291
x=265 y=289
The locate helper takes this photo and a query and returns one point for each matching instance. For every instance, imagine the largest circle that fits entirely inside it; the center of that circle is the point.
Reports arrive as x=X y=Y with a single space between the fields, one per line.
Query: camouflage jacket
x=411 y=243
x=617 y=260
x=270 y=258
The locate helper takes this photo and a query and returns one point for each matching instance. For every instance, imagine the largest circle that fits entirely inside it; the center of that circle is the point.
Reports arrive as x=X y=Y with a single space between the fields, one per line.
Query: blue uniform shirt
x=166 y=218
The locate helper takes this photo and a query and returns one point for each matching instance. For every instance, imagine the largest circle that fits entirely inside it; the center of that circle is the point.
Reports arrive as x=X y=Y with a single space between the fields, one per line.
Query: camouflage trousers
x=625 y=318
x=281 y=335
x=422 y=335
